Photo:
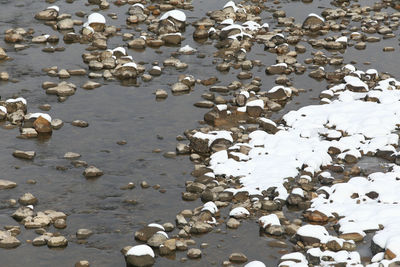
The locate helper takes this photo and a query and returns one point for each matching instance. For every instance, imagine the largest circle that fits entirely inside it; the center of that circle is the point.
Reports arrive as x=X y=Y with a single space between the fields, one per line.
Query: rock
x=48 y=14
x=233 y=223
x=42 y=125
x=56 y=124
x=161 y=94
x=356 y=237
x=138 y=43
x=80 y=123
x=313 y=21
x=64 y=74
x=29 y=132
x=57 y=241
x=204 y=104
x=194 y=253
x=146 y=233
x=21 y=213
x=315 y=216
x=5 y=184
x=156 y=240
x=90 y=85
x=40 y=220
x=71 y=155
x=140 y=256
x=65 y=24
x=172 y=38
x=92 y=171
x=200 y=228
x=182 y=149
x=180 y=88
x=40 y=240
x=60 y=224
x=27 y=199
x=24 y=154
x=83 y=233
x=7 y=240
x=3 y=54
x=237 y=257
x=83 y=263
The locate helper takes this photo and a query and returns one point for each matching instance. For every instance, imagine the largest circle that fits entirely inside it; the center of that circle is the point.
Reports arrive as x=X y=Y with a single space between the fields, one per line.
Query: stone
x=146 y=233
x=161 y=94
x=92 y=171
x=200 y=228
x=48 y=14
x=71 y=155
x=57 y=241
x=7 y=240
x=56 y=124
x=60 y=224
x=82 y=263
x=6 y=184
x=3 y=54
x=233 y=223
x=27 y=199
x=80 y=123
x=42 y=125
x=29 y=132
x=140 y=256
x=83 y=233
x=194 y=253
x=22 y=212
x=40 y=240
x=180 y=88
x=65 y=24
x=237 y=257
x=89 y=85
x=156 y=240
x=24 y=154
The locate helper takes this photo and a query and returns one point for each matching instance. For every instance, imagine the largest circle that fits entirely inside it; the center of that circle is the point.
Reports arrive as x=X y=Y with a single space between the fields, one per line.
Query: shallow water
x=117 y=112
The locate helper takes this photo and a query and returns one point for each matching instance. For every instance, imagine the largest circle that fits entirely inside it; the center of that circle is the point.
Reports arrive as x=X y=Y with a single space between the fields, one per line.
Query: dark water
x=117 y=112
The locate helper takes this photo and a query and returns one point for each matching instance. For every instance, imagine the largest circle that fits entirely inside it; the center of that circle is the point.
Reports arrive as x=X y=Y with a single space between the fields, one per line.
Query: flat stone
x=6 y=184
x=57 y=241
x=24 y=154
x=71 y=155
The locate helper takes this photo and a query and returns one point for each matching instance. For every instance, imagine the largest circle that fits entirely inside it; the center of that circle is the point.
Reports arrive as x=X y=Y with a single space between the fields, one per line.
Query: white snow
x=255 y=264
x=317 y=16
x=56 y=8
x=3 y=109
x=19 y=99
x=175 y=14
x=187 y=49
x=238 y=212
x=96 y=18
x=37 y=115
x=159 y=226
x=211 y=207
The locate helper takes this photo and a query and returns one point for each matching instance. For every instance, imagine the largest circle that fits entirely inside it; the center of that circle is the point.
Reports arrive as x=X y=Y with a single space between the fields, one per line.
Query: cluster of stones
x=31 y=125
